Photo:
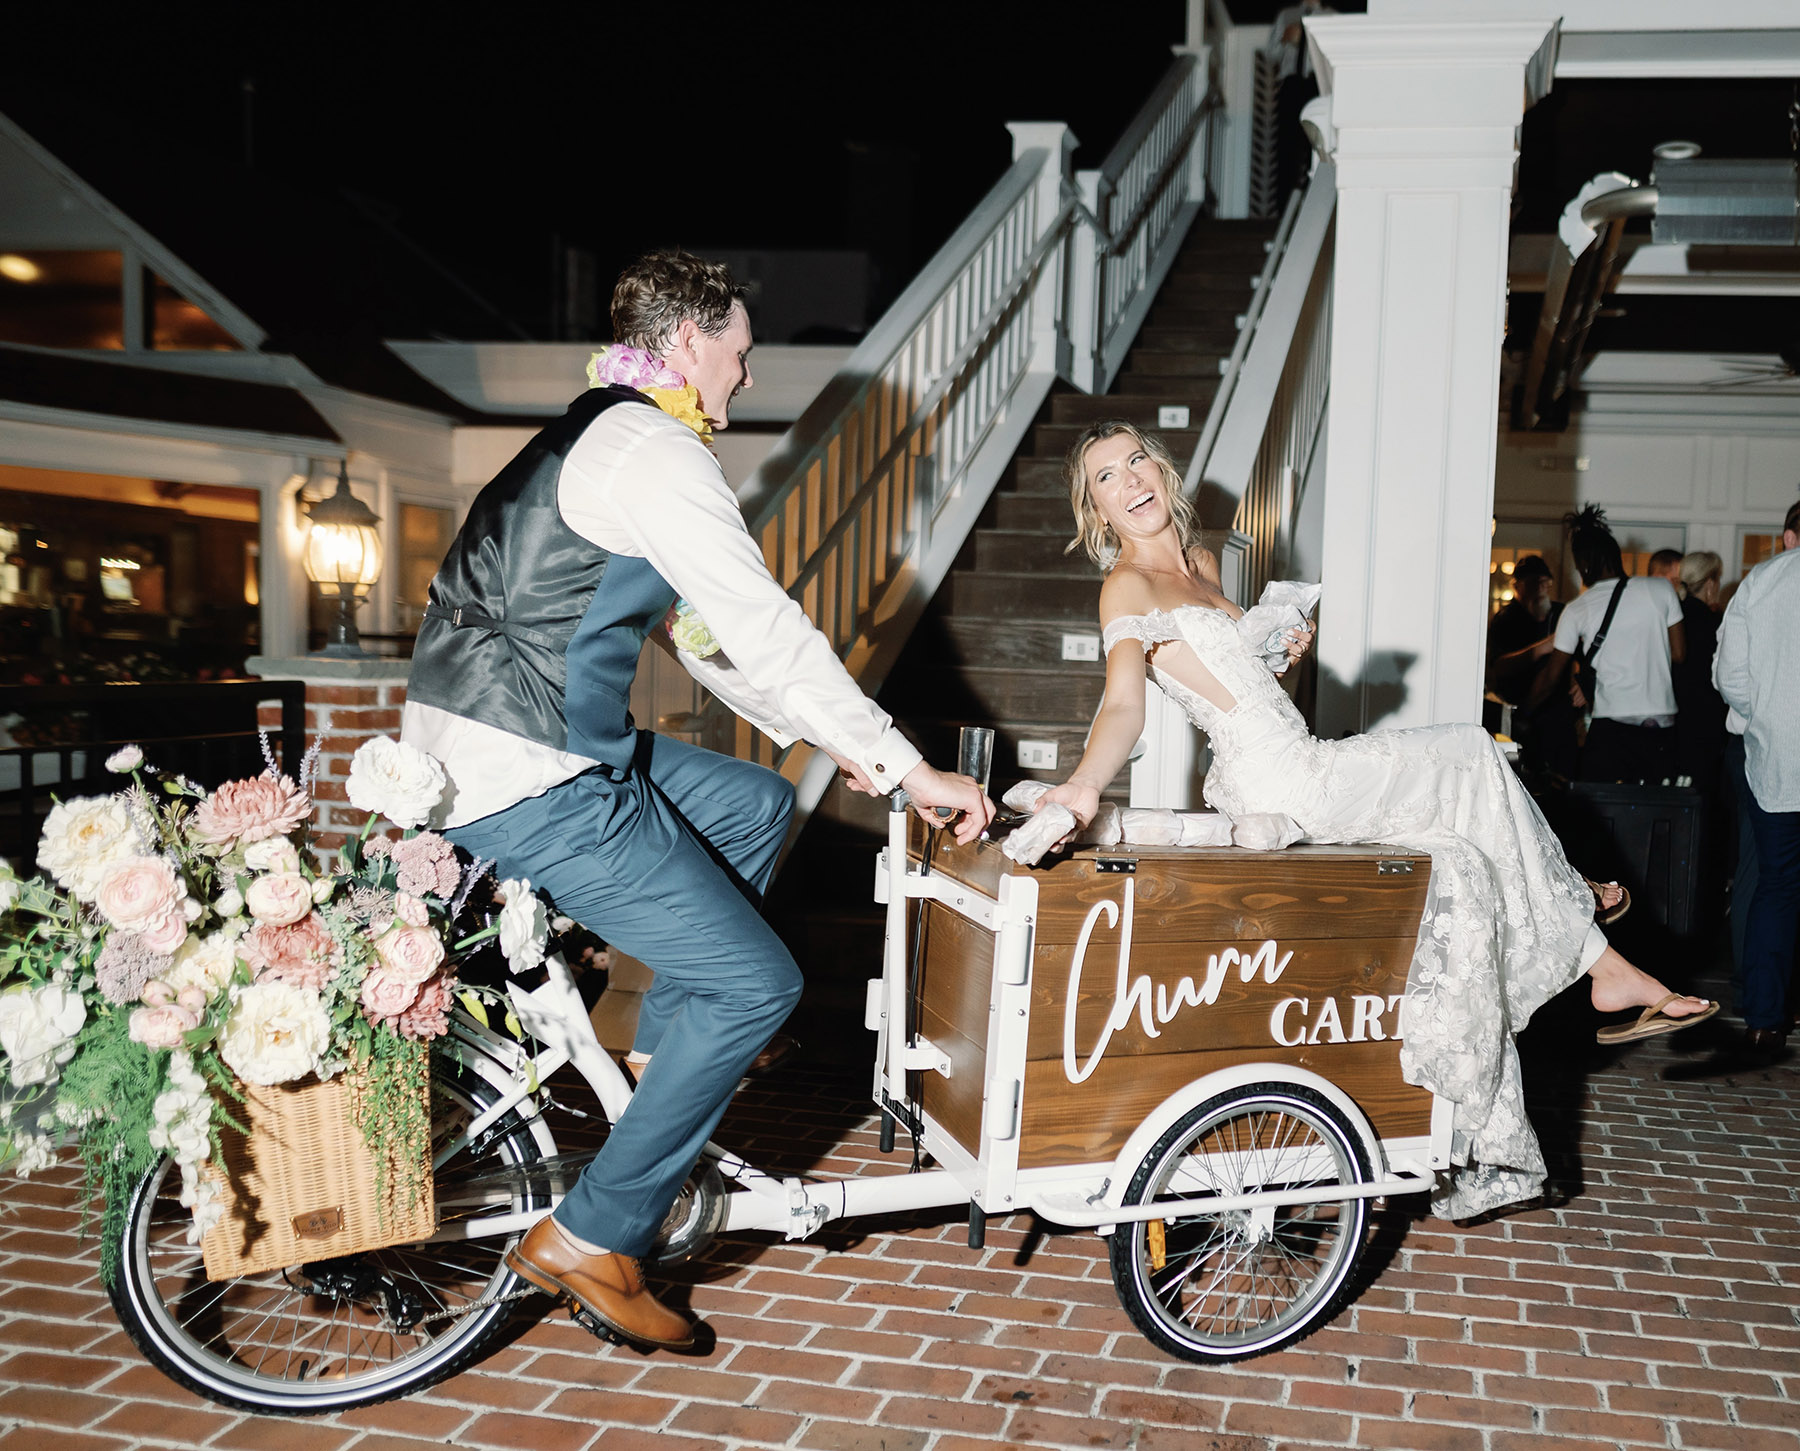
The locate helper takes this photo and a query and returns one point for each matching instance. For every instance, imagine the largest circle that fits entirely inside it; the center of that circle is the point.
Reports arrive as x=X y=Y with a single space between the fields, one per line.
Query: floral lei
x=619 y=365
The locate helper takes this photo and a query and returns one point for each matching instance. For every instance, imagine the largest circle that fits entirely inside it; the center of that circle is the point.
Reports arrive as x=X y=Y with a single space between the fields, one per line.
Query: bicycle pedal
x=594 y=1326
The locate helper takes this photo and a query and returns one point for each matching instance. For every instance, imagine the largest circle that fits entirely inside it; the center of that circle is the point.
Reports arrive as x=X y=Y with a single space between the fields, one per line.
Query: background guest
x=1631 y=736
x=1666 y=564
x=1295 y=86
x=1700 y=711
x=1520 y=637
x=1757 y=670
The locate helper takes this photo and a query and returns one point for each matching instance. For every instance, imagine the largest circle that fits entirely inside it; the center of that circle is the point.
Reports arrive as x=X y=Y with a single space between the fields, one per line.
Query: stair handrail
x=1260 y=434
x=1156 y=175
x=1232 y=368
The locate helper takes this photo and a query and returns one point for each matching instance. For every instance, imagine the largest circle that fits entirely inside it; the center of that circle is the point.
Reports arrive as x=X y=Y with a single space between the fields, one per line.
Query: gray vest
x=532 y=628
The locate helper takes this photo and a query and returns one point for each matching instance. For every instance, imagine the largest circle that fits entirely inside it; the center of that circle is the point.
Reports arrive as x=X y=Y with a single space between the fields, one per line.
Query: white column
x=1426 y=117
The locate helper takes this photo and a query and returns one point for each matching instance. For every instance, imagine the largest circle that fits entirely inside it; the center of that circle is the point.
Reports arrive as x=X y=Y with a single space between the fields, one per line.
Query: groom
x=612 y=524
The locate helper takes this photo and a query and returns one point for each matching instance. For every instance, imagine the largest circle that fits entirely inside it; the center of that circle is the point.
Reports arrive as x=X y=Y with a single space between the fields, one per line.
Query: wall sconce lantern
x=343 y=558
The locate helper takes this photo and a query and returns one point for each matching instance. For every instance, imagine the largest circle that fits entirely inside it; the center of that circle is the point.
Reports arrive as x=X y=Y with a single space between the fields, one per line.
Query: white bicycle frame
x=1076 y=1195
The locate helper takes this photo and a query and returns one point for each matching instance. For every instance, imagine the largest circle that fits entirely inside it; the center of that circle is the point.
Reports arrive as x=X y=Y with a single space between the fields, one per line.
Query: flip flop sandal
x=1653 y=1022
x=1603 y=914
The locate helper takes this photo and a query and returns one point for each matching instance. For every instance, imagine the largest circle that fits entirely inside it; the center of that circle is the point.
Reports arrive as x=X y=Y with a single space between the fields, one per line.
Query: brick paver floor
x=1658 y=1305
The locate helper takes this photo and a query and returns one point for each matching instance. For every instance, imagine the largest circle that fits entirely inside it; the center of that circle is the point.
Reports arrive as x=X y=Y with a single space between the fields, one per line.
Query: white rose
x=82 y=838
x=322 y=888
x=230 y=903
x=125 y=760
x=524 y=923
x=275 y=1033
x=395 y=780
x=37 y=1030
x=279 y=899
x=272 y=854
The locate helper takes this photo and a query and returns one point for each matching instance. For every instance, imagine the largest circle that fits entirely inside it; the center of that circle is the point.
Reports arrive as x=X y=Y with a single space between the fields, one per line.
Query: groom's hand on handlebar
x=950 y=793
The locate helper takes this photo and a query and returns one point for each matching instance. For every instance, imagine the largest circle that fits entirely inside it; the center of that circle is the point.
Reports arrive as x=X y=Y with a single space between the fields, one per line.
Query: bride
x=1508 y=922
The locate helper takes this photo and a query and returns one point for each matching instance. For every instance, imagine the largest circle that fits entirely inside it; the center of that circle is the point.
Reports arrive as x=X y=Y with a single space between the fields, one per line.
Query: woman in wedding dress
x=1508 y=922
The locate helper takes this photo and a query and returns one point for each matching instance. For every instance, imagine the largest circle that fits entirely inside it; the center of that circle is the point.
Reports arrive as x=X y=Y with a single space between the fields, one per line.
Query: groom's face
x=718 y=367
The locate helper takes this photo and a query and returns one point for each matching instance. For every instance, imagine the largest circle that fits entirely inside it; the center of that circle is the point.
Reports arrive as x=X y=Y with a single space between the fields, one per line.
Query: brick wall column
x=347 y=702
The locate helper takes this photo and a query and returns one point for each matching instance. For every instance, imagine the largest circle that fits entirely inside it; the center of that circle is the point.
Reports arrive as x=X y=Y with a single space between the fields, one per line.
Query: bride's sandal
x=1603 y=914
x=1653 y=1022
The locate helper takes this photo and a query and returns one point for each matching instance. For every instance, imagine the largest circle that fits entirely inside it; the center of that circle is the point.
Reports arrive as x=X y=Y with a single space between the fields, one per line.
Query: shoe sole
x=1655 y=1028
x=550 y=1285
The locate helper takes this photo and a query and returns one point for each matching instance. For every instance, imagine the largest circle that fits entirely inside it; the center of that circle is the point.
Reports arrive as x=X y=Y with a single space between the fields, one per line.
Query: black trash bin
x=1648 y=838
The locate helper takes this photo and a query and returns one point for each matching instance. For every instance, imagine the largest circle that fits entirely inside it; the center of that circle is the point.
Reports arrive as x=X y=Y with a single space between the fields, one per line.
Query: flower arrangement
x=186 y=943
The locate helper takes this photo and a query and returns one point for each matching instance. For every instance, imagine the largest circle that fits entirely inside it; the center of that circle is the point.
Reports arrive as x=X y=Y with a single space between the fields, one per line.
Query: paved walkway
x=1658 y=1306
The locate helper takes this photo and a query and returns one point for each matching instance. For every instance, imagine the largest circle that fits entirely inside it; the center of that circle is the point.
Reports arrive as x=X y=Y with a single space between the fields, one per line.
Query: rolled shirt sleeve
x=662 y=488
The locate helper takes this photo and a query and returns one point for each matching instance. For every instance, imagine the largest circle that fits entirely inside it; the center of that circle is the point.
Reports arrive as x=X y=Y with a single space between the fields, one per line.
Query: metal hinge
x=1116 y=864
x=1393 y=869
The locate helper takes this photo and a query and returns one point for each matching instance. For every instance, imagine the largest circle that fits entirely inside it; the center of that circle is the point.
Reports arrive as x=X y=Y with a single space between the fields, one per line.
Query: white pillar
x=1426 y=117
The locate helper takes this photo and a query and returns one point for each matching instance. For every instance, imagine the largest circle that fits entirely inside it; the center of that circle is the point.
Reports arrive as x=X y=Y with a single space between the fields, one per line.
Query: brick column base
x=347 y=702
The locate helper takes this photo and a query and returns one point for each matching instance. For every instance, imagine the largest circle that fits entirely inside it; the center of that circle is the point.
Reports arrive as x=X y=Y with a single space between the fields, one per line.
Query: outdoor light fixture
x=343 y=558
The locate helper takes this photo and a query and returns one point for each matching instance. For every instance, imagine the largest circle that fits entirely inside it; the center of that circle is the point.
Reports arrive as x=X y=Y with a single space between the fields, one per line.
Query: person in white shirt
x=1629 y=645
x=1757 y=670
x=615 y=523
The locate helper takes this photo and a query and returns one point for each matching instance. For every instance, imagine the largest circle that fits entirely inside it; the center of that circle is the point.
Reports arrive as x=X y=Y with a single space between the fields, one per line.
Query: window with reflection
x=62 y=299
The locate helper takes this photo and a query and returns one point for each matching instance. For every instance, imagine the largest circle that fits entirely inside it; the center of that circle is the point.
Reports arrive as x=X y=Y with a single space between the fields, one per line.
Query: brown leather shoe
x=610 y=1287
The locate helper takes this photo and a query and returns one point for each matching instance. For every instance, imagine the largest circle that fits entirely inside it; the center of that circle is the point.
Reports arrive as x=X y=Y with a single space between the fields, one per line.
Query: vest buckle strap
x=463 y=615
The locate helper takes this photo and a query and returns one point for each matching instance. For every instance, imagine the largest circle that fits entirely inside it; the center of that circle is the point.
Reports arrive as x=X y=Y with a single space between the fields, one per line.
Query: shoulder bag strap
x=1587 y=658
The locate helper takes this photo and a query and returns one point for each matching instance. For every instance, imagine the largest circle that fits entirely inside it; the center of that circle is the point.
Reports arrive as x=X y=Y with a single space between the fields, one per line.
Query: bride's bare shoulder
x=1205 y=563
x=1125 y=592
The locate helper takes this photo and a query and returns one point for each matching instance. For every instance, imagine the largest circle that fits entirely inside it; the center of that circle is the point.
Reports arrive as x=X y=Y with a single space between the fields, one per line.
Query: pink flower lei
x=631 y=368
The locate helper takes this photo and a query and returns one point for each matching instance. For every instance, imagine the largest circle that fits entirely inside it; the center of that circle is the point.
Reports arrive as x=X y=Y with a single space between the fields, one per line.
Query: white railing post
x=1049 y=330
x=1085 y=287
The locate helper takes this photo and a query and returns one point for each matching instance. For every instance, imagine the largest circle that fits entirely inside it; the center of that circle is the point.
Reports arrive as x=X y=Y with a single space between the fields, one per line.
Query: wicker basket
x=301 y=1184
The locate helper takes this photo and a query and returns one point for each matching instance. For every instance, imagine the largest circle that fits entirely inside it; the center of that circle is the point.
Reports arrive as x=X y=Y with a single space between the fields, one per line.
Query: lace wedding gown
x=1506 y=916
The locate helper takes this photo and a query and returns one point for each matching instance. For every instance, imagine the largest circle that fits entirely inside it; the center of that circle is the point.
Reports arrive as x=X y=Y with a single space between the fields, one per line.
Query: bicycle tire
x=193 y=1344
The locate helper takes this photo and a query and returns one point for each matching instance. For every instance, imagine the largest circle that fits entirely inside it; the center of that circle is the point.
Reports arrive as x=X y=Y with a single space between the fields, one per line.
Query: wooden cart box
x=1152 y=967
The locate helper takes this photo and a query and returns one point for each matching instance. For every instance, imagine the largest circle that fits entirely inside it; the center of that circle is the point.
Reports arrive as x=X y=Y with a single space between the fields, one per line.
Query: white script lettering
x=1154 y=1004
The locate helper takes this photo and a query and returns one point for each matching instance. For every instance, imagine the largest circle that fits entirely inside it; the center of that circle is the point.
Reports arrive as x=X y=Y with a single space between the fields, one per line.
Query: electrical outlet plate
x=1037 y=755
x=1081 y=647
x=1172 y=415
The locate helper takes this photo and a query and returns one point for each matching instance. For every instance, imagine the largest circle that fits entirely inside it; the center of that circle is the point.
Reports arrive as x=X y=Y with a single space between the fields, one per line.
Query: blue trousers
x=1743 y=877
x=668 y=865
x=1774 y=915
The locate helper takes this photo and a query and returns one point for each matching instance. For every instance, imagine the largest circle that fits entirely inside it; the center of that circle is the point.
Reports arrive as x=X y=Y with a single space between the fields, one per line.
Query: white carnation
x=82 y=838
x=275 y=1033
x=204 y=962
x=395 y=780
x=37 y=1030
x=524 y=923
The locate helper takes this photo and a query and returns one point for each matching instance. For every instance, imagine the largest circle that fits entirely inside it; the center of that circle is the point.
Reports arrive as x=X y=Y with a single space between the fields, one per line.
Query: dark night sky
x=482 y=130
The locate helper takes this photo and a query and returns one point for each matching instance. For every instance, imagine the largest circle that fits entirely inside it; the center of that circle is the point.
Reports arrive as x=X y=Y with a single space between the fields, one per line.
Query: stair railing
x=1147 y=191
x=862 y=506
x=1265 y=419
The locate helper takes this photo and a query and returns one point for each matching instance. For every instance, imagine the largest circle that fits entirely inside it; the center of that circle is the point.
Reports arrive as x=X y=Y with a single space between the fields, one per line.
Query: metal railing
x=861 y=508
x=1264 y=422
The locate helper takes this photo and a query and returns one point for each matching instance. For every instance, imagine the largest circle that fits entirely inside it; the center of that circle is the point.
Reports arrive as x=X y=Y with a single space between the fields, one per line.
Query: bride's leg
x=1617 y=985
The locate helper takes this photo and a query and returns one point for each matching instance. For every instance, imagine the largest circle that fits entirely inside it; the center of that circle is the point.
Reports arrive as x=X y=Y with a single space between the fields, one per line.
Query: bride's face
x=1127 y=487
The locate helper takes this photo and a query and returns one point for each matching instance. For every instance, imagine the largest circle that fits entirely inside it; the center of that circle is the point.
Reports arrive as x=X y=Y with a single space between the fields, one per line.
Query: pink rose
x=303 y=953
x=161 y=1027
x=253 y=810
x=165 y=932
x=193 y=999
x=410 y=910
x=385 y=994
x=136 y=890
x=279 y=898
x=413 y=953
x=156 y=994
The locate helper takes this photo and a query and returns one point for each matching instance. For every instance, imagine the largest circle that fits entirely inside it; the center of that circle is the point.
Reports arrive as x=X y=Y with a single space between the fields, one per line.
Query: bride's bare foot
x=1617 y=985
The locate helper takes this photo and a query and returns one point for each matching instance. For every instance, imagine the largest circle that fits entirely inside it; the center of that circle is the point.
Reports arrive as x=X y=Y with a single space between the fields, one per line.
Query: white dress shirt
x=1757 y=669
x=641 y=484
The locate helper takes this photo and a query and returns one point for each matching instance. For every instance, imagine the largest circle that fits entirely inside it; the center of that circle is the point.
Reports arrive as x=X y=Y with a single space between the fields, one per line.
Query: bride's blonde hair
x=1093 y=533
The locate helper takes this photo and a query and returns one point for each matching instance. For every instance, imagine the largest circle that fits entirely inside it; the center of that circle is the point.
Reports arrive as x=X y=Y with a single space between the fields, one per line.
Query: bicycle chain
x=478 y=1305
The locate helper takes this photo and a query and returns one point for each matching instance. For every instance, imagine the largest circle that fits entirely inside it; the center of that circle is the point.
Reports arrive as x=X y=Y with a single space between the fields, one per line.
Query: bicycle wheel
x=1227 y=1286
x=344 y=1332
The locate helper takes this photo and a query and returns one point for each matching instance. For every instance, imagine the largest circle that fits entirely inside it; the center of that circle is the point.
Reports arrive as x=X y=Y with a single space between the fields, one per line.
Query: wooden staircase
x=989 y=650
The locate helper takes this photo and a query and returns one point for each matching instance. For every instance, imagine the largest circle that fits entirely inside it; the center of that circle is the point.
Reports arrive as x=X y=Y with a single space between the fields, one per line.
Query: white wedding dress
x=1506 y=916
